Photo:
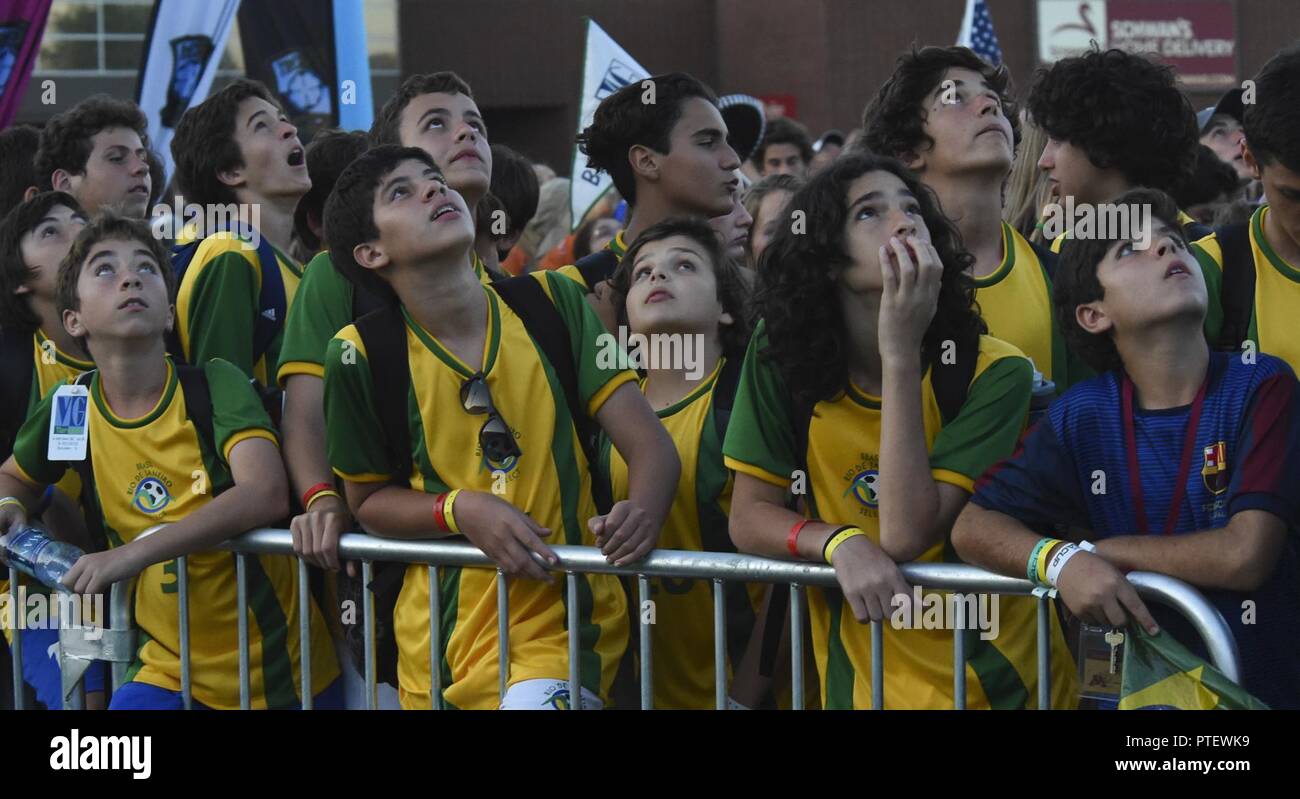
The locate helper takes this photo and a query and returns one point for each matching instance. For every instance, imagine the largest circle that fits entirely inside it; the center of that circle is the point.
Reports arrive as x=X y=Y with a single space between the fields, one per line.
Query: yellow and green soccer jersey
x=682 y=635
x=323 y=308
x=157 y=470
x=51 y=366
x=843 y=459
x=616 y=245
x=217 y=305
x=1277 y=293
x=1016 y=303
x=550 y=481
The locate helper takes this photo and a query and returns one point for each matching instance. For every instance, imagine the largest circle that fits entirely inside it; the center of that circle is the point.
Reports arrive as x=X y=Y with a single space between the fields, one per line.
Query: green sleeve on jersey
x=236 y=407
x=353 y=436
x=1214 y=292
x=759 y=433
x=223 y=311
x=31 y=447
x=322 y=306
x=989 y=423
x=587 y=336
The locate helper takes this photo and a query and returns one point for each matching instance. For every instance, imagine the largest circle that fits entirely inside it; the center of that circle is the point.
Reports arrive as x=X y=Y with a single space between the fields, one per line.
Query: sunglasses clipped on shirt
x=494 y=437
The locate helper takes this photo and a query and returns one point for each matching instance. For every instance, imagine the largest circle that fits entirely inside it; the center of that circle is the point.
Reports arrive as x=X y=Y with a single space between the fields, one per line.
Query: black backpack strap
x=16 y=370
x=90 y=508
x=951 y=381
x=597 y=267
x=527 y=298
x=198 y=402
x=1238 y=292
x=364 y=300
x=383 y=332
x=1045 y=257
x=724 y=395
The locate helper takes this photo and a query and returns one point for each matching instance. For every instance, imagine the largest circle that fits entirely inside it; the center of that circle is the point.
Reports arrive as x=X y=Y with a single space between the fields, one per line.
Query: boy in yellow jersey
x=1260 y=259
x=238 y=158
x=1136 y=129
x=37 y=354
x=845 y=393
x=677 y=287
x=949 y=116
x=487 y=413
x=437 y=113
x=132 y=427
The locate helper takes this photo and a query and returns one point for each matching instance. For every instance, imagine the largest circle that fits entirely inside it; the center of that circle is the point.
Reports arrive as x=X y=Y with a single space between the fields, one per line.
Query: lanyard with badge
x=69 y=430
x=1101 y=648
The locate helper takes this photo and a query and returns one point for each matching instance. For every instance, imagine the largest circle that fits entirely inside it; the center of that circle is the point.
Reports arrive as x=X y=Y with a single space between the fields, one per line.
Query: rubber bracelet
x=792 y=540
x=329 y=492
x=1031 y=568
x=12 y=501
x=313 y=491
x=1059 y=559
x=447 y=511
x=440 y=513
x=1040 y=567
x=833 y=543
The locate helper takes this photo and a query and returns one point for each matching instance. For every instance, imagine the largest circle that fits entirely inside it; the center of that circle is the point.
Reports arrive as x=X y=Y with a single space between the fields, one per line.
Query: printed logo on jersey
x=1214 y=468
x=151 y=492
x=863 y=488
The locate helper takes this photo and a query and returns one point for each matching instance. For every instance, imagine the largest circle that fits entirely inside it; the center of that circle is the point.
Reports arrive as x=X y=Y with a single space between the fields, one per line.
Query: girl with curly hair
x=845 y=400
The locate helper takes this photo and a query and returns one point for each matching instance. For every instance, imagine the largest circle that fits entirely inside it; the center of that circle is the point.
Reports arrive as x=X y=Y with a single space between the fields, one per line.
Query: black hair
x=204 y=144
x=350 y=211
x=18 y=146
x=1075 y=281
x=16 y=309
x=797 y=291
x=387 y=127
x=514 y=183
x=66 y=138
x=894 y=120
x=733 y=291
x=1124 y=111
x=1273 y=124
x=329 y=152
x=109 y=226
x=623 y=121
x=1211 y=180
x=784 y=131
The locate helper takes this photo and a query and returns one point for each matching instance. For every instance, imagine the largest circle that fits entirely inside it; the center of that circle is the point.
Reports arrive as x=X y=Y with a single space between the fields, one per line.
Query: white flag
x=183 y=47
x=607 y=69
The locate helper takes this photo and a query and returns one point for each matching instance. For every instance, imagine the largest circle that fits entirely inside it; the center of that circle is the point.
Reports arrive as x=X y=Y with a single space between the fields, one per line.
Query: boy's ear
x=370 y=255
x=61 y=180
x=644 y=161
x=72 y=323
x=912 y=160
x=1092 y=318
x=31 y=192
x=726 y=319
x=1251 y=163
x=171 y=317
x=234 y=178
x=23 y=289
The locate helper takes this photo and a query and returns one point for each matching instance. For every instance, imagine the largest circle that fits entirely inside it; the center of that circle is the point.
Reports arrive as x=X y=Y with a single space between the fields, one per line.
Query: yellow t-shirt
x=843 y=461
x=158 y=470
x=550 y=481
x=1015 y=301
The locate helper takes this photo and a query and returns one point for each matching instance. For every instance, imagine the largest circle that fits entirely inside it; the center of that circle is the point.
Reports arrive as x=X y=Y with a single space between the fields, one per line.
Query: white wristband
x=1059 y=559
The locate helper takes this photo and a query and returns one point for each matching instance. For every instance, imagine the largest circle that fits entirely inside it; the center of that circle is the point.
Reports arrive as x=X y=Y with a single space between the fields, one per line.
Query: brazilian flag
x=1160 y=674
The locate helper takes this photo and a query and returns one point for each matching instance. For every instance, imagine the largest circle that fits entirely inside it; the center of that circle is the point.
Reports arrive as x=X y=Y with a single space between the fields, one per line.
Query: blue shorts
x=41 y=668
x=142 y=696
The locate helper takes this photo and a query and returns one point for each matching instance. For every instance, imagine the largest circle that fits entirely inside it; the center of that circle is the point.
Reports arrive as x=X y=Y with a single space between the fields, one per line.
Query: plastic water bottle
x=34 y=553
x=1044 y=393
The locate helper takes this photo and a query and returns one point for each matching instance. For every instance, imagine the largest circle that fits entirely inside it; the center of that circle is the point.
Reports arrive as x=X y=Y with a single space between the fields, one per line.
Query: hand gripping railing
x=715 y=567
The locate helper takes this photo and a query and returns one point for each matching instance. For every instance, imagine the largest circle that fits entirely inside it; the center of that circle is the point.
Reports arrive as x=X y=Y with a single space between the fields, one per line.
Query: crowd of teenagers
x=875 y=352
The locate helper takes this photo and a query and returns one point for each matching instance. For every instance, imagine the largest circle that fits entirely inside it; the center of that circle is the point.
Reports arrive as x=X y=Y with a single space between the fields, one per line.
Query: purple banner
x=22 y=23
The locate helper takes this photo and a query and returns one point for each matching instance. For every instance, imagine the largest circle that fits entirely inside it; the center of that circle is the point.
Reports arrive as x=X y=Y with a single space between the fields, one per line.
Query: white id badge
x=69 y=427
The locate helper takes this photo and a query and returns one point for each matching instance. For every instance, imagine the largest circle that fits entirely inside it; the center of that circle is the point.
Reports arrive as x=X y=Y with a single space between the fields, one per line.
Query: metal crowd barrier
x=716 y=567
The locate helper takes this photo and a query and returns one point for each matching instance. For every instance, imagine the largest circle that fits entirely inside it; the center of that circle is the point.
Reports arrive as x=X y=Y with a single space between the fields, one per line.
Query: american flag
x=977 y=32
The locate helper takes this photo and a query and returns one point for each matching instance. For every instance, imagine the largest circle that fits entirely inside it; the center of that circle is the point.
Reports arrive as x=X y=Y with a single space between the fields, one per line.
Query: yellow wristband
x=447 y=510
x=840 y=538
x=12 y=501
x=1041 y=567
x=329 y=492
